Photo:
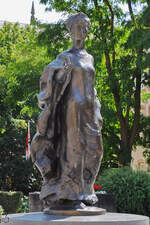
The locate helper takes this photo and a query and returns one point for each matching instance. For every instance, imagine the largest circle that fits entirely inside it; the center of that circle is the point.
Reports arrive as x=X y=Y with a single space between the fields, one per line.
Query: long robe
x=67 y=147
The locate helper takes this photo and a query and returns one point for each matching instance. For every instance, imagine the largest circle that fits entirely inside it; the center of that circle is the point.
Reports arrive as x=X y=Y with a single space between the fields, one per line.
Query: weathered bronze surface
x=87 y=211
x=67 y=147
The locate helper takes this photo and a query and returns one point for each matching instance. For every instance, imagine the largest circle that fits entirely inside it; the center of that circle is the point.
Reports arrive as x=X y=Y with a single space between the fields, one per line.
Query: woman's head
x=78 y=25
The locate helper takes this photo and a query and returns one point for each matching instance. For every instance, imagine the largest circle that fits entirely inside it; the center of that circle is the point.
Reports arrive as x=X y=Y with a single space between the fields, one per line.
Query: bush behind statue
x=130 y=188
x=1 y=211
x=11 y=201
x=24 y=205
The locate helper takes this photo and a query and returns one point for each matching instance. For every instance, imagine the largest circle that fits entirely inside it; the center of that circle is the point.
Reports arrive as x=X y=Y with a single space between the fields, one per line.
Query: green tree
x=54 y=37
x=119 y=43
x=23 y=70
x=21 y=64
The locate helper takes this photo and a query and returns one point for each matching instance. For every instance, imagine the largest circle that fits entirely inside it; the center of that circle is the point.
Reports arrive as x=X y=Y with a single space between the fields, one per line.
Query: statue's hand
x=61 y=74
x=67 y=68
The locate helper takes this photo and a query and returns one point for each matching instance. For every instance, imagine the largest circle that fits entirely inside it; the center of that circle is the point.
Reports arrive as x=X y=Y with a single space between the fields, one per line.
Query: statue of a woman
x=67 y=147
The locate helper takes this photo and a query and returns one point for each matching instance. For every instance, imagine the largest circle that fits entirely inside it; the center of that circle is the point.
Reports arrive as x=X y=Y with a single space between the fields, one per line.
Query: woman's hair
x=79 y=18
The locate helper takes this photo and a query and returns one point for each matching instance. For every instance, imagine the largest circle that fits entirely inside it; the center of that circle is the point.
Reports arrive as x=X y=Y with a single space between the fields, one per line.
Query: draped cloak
x=67 y=147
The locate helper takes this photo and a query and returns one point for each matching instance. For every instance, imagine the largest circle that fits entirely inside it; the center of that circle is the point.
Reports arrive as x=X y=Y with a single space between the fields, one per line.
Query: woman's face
x=78 y=34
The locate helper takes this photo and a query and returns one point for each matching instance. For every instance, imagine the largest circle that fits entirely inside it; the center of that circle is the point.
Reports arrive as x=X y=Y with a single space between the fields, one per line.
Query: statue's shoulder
x=65 y=57
x=45 y=73
x=65 y=54
x=90 y=57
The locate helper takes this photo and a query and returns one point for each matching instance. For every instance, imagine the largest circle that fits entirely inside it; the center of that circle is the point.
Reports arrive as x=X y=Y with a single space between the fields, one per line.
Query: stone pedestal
x=35 y=205
x=107 y=219
x=105 y=201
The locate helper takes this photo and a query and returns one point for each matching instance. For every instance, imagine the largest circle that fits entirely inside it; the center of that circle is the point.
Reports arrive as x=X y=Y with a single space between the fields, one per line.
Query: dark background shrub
x=130 y=188
x=11 y=201
x=17 y=173
x=1 y=210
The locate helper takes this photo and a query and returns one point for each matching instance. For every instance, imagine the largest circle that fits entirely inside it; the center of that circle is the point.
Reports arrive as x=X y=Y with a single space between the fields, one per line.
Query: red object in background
x=28 y=142
x=96 y=187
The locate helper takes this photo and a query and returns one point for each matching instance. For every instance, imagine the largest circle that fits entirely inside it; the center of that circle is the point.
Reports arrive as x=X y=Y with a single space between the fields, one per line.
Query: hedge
x=131 y=189
x=1 y=211
x=11 y=201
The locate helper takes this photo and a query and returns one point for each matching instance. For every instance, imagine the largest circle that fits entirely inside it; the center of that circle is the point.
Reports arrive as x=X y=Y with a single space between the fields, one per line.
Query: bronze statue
x=67 y=147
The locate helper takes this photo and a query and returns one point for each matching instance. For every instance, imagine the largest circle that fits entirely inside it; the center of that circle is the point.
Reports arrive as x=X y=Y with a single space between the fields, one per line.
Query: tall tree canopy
x=21 y=64
x=119 y=42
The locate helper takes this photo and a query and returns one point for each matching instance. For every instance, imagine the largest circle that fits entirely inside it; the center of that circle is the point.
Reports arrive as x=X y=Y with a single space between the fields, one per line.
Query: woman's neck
x=78 y=44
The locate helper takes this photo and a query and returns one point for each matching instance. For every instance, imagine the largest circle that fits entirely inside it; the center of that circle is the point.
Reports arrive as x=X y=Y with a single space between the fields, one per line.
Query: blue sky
x=20 y=11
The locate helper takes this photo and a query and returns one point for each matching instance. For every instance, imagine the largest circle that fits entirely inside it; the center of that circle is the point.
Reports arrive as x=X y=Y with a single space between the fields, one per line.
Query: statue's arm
x=55 y=72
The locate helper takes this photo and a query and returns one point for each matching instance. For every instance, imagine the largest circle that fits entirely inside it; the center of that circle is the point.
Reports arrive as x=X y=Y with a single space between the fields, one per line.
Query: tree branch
x=96 y=4
x=128 y=104
x=148 y=2
x=116 y=98
x=130 y=10
x=112 y=28
x=112 y=15
x=137 y=107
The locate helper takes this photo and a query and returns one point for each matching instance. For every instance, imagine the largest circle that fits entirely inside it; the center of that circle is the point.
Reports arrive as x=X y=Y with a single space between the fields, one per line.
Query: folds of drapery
x=51 y=92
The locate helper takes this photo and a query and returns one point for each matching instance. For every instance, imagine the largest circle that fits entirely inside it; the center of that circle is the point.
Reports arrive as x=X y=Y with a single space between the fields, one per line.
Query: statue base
x=107 y=219
x=76 y=212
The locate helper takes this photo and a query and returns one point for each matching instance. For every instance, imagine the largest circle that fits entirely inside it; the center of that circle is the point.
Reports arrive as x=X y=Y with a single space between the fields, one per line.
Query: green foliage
x=119 y=44
x=143 y=138
x=19 y=83
x=146 y=154
x=16 y=173
x=145 y=97
x=10 y=201
x=54 y=37
x=21 y=73
x=24 y=204
x=1 y=210
x=130 y=188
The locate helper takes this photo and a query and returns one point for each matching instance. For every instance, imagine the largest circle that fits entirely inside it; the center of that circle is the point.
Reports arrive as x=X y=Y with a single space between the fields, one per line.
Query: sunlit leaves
x=22 y=62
